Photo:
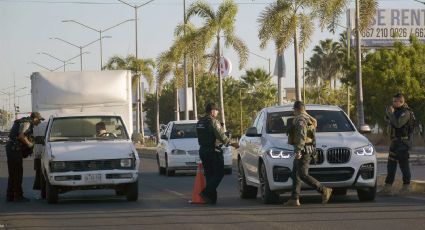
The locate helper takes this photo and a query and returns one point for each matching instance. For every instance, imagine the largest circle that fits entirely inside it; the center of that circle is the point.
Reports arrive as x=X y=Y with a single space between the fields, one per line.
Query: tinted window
x=183 y=131
x=327 y=121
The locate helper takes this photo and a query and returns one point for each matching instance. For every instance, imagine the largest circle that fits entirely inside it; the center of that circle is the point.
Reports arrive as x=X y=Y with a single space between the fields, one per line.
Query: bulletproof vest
x=205 y=132
x=404 y=131
x=309 y=138
x=14 y=132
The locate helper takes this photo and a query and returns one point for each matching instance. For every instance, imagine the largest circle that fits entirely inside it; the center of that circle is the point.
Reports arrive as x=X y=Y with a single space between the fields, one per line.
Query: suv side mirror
x=39 y=140
x=164 y=137
x=252 y=132
x=365 y=129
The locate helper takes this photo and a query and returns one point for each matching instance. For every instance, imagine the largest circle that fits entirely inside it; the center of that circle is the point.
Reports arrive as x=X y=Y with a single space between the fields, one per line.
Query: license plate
x=93 y=178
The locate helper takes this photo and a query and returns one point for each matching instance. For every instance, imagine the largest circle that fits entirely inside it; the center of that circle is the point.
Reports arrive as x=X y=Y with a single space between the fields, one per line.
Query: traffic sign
x=225 y=67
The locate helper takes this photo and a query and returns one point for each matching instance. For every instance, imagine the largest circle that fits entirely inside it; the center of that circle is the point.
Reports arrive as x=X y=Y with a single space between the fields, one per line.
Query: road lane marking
x=174 y=192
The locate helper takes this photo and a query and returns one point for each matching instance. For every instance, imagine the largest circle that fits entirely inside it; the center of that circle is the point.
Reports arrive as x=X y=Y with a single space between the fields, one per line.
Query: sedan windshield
x=87 y=128
x=183 y=131
x=327 y=121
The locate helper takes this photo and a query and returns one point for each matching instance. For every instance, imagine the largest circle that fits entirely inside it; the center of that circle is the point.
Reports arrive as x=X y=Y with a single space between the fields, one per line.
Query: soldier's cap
x=211 y=106
x=37 y=115
x=298 y=105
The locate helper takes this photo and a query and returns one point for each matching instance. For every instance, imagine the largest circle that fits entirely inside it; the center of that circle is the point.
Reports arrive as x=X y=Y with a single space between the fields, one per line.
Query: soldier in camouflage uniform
x=401 y=119
x=18 y=147
x=210 y=136
x=302 y=137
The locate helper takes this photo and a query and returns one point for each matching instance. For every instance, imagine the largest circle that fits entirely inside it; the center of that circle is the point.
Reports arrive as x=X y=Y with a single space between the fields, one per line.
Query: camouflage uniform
x=303 y=141
x=400 y=144
x=16 y=151
x=210 y=135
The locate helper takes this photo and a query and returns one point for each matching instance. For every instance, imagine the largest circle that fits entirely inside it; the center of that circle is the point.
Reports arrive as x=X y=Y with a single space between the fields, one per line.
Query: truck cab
x=88 y=151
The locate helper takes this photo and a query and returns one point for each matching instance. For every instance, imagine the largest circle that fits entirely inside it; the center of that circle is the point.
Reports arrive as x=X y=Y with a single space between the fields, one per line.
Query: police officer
x=302 y=137
x=401 y=120
x=210 y=134
x=18 y=147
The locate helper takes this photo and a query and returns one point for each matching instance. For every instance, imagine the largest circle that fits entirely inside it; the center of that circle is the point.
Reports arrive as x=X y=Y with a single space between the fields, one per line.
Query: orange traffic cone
x=198 y=187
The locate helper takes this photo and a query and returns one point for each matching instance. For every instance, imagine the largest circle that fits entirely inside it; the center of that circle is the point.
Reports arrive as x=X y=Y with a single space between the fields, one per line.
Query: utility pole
x=186 y=80
x=359 y=91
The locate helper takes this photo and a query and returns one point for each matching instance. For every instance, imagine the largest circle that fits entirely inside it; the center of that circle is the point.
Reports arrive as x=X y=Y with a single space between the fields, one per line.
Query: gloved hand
x=30 y=145
x=235 y=145
x=298 y=155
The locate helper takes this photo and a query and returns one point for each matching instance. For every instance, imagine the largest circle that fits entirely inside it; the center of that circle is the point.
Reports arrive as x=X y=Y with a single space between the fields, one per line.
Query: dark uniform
x=401 y=132
x=209 y=131
x=16 y=151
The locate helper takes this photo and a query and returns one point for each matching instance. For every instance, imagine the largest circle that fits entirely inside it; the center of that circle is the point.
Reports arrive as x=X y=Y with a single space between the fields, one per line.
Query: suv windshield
x=327 y=121
x=183 y=131
x=87 y=128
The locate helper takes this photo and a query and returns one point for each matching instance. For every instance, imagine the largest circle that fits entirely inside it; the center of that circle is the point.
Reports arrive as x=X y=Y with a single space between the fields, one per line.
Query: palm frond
x=240 y=47
x=201 y=9
x=306 y=25
x=367 y=12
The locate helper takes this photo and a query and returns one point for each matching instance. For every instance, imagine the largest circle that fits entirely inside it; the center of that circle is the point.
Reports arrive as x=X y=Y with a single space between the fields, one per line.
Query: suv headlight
x=280 y=153
x=126 y=163
x=178 y=152
x=364 y=151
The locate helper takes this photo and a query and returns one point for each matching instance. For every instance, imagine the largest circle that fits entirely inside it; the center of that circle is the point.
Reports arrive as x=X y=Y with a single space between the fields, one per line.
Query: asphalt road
x=163 y=204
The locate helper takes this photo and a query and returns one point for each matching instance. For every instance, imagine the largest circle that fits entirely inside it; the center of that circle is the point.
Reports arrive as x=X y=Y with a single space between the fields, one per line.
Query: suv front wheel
x=268 y=196
x=366 y=194
x=245 y=191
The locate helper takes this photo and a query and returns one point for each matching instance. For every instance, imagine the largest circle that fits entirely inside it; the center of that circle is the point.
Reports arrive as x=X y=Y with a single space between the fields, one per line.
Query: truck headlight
x=126 y=163
x=178 y=152
x=57 y=165
x=365 y=151
x=280 y=153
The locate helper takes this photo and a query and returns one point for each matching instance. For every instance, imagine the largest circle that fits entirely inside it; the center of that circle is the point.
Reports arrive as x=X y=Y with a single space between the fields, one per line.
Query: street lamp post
x=359 y=91
x=80 y=47
x=139 y=113
x=100 y=31
x=63 y=61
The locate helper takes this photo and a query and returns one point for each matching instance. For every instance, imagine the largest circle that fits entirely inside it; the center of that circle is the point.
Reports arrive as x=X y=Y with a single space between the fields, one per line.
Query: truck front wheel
x=132 y=192
x=52 y=196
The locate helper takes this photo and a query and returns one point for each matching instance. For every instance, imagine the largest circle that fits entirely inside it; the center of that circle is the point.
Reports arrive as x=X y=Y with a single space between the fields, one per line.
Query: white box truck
x=85 y=142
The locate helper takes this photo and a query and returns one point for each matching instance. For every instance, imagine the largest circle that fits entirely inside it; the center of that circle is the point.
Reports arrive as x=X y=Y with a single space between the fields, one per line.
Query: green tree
x=388 y=71
x=216 y=24
x=292 y=22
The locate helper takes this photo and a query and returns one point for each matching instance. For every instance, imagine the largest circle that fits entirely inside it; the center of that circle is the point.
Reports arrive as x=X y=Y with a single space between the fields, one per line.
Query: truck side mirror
x=365 y=129
x=252 y=132
x=39 y=140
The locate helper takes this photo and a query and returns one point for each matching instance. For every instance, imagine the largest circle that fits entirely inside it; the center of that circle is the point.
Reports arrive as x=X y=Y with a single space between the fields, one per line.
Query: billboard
x=390 y=25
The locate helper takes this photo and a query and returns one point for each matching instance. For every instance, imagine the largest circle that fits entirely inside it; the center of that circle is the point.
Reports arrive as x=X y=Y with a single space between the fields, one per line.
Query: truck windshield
x=183 y=131
x=327 y=121
x=87 y=128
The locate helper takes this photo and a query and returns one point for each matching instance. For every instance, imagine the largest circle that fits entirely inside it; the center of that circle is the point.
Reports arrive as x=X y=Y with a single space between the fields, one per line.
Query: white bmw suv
x=345 y=158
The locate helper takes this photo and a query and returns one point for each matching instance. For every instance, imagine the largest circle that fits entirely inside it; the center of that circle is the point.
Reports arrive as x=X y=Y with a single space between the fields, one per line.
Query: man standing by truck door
x=209 y=133
x=18 y=147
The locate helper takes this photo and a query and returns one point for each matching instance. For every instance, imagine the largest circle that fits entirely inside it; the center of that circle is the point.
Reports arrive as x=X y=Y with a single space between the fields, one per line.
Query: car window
x=260 y=123
x=256 y=120
x=327 y=121
x=180 y=131
x=168 y=130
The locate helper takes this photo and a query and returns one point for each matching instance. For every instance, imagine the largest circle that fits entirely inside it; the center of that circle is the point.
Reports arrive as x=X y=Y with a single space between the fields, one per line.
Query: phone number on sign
x=393 y=32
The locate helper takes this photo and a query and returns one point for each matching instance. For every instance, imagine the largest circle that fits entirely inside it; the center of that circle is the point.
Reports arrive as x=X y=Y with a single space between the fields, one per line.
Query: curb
x=416 y=186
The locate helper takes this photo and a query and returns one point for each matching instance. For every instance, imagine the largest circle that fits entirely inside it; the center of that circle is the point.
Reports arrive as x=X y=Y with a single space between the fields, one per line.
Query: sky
x=27 y=25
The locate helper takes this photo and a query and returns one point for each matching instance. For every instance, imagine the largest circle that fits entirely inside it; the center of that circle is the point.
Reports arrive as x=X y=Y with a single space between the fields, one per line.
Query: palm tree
x=292 y=22
x=139 y=68
x=325 y=64
x=190 y=41
x=216 y=24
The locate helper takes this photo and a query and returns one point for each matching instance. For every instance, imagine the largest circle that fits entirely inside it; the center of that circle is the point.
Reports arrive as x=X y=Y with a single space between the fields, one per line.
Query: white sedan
x=178 y=149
